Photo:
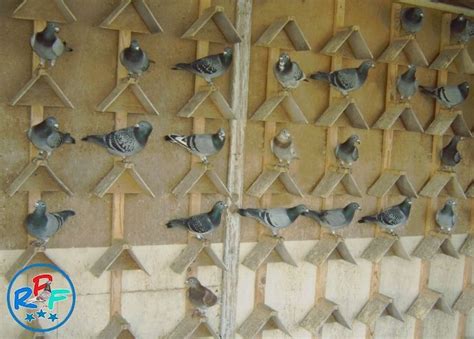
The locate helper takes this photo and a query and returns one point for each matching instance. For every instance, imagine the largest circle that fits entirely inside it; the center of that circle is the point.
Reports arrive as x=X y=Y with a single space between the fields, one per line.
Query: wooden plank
x=443 y=7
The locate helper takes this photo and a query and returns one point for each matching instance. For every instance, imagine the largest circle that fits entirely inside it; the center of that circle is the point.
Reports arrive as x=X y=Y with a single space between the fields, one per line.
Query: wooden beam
x=439 y=6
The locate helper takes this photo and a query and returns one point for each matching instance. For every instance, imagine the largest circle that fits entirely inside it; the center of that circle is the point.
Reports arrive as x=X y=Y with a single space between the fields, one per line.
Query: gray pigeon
x=209 y=67
x=347 y=152
x=274 y=218
x=287 y=72
x=283 y=147
x=134 y=59
x=446 y=217
x=462 y=29
x=47 y=45
x=42 y=297
x=43 y=225
x=202 y=145
x=407 y=84
x=335 y=219
x=391 y=218
x=124 y=142
x=450 y=155
x=448 y=96
x=347 y=79
x=47 y=137
x=411 y=19
x=201 y=224
x=200 y=296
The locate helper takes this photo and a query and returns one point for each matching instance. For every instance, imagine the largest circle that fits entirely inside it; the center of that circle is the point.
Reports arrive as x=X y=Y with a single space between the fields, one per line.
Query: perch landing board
x=217 y=14
x=289 y=104
x=457 y=55
x=389 y=178
x=333 y=178
x=383 y=245
x=268 y=249
x=44 y=10
x=426 y=301
x=347 y=106
x=434 y=243
x=465 y=301
x=292 y=30
x=116 y=328
x=324 y=311
x=148 y=23
x=446 y=119
x=376 y=307
x=328 y=247
x=262 y=318
x=470 y=191
x=32 y=335
x=216 y=97
x=409 y=46
x=268 y=177
x=467 y=247
x=193 y=177
x=440 y=180
x=357 y=43
x=199 y=251
x=405 y=113
x=193 y=327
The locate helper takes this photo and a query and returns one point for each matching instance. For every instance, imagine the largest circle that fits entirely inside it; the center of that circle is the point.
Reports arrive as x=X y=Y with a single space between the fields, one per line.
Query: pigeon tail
x=96 y=139
x=426 y=90
x=68 y=139
x=182 y=66
x=175 y=223
x=177 y=139
x=320 y=76
x=66 y=214
x=67 y=48
x=248 y=212
x=367 y=220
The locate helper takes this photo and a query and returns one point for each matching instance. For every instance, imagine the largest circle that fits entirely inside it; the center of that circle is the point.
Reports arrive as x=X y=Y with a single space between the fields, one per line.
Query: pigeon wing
x=54 y=140
x=206 y=65
x=333 y=217
x=122 y=141
x=391 y=217
x=345 y=79
x=199 y=223
x=58 y=47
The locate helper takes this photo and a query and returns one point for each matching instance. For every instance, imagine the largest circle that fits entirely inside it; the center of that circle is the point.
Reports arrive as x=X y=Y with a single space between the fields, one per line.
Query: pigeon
x=288 y=73
x=450 y=156
x=347 y=152
x=209 y=67
x=47 y=45
x=202 y=145
x=47 y=137
x=42 y=225
x=42 y=297
x=124 y=142
x=134 y=59
x=462 y=29
x=407 y=84
x=391 y=218
x=445 y=217
x=283 y=147
x=200 y=296
x=448 y=96
x=201 y=224
x=412 y=19
x=274 y=218
x=335 y=219
x=347 y=79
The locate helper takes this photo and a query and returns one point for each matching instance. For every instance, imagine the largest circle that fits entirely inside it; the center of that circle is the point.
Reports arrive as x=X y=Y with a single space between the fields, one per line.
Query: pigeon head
x=134 y=45
x=414 y=14
x=405 y=206
x=216 y=213
x=52 y=123
x=367 y=64
x=52 y=28
x=40 y=207
x=410 y=73
x=283 y=61
x=354 y=139
x=353 y=206
x=227 y=56
x=142 y=131
x=192 y=282
x=451 y=203
x=464 y=88
x=284 y=135
x=301 y=209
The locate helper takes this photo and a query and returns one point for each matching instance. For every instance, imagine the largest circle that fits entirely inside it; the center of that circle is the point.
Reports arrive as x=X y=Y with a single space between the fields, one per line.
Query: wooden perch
x=409 y=46
x=377 y=306
x=198 y=251
x=31 y=255
x=328 y=248
x=357 y=43
x=216 y=97
x=118 y=257
x=217 y=14
x=426 y=301
x=447 y=119
x=434 y=243
x=347 y=106
x=465 y=302
x=149 y=23
x=389 y=178
x=406 y=114
x=292 y=30
x=467 y=247
x=384 y=245
x=324 y=311
x=268 y=177
x=440 y=180
x=457 y=55
x=193 y=327
x=146 y=106
x=262 y=317
x=330 y=181
x=268 y=249
x=289 y=104
x=116 y=328
x=44 y=10
x=193 y=177
x=29 y=170
x=470 y=191
x=38 y=97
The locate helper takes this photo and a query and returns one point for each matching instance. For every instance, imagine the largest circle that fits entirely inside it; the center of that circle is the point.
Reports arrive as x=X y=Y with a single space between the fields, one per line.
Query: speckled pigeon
x=446 y=216
x=391 y=218
x=407 y=84
x=283 y=147
x=134 y=59
x=200 y=296
x=47 y=45
x=450 y=155
x=287 y=72
x=347 y=152
x=448 y=96
x=335 y=219
x=411 y=19
x=462 y=29
x=47 y=137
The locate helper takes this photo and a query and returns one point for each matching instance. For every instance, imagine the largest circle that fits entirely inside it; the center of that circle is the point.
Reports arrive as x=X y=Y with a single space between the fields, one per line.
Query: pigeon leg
x=42 y=63
x=211 y=84
x=204 y=160
x=53 y=62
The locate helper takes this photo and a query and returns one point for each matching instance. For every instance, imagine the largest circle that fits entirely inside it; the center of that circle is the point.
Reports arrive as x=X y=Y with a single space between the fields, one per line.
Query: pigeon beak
x=56 y=125
x=358 y=142
x=137 y=125
x=56 y=29
x=359 y=208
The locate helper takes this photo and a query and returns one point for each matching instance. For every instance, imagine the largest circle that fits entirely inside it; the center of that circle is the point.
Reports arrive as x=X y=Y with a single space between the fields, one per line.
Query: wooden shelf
x=199 y=251
x=330 y=247
x=457 y=55
x=435 y=243
x=405 y=113
x=324 y=311
x=268 y=177
x=188 y=110
x=355 y=39
x=291 y=28
x=426 y=301
x=289 y=104
x=409 y=46
x=193 y=177
x=446 y=119
x=470 y=191
x=389 y=178
x=465 y=302
x=44 y=10
x=440 y=180
x=117 y=327
x=331 y=179
x=347 y=106
x=268 y=249
x=193 y=327
x=377 y=306
x=467 y=247
x=262 y=318
x=384 y=245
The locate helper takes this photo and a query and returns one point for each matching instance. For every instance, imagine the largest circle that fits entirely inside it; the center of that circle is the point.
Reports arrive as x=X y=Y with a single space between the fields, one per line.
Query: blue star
x=29 y=317
x=41 y=314
x=53 y=317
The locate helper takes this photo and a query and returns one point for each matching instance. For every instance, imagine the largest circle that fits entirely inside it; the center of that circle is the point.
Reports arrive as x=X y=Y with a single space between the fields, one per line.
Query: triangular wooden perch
x=116 y=328
x=324 y=311
x=145 y=107
x=446 y=119
x=29 y=170
x=199 y=251
x=217 y=14
x=122 y=178
x=457 y=55
x=268 y=249
x=409 y=46
x=347 y=106
x=27 y=334
x=262 y=318
x=470 y=191
x=467 y=247
x=435 y=243
x=465 y=302
x=118 y=257
x=405 y=113
x=292 y=30
x=144 y=12
x=426 y=301
x=441 y=180
x=216 y=97
x=327 y=248
x=45 y=10
x=194 y=175
x=193 y=327
x=389 y=178
x=377 y=306
x=332 y=178
x=289 y=104
x=383 y=245
x=353 y=36
x=268 y=177
x=38 y=98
